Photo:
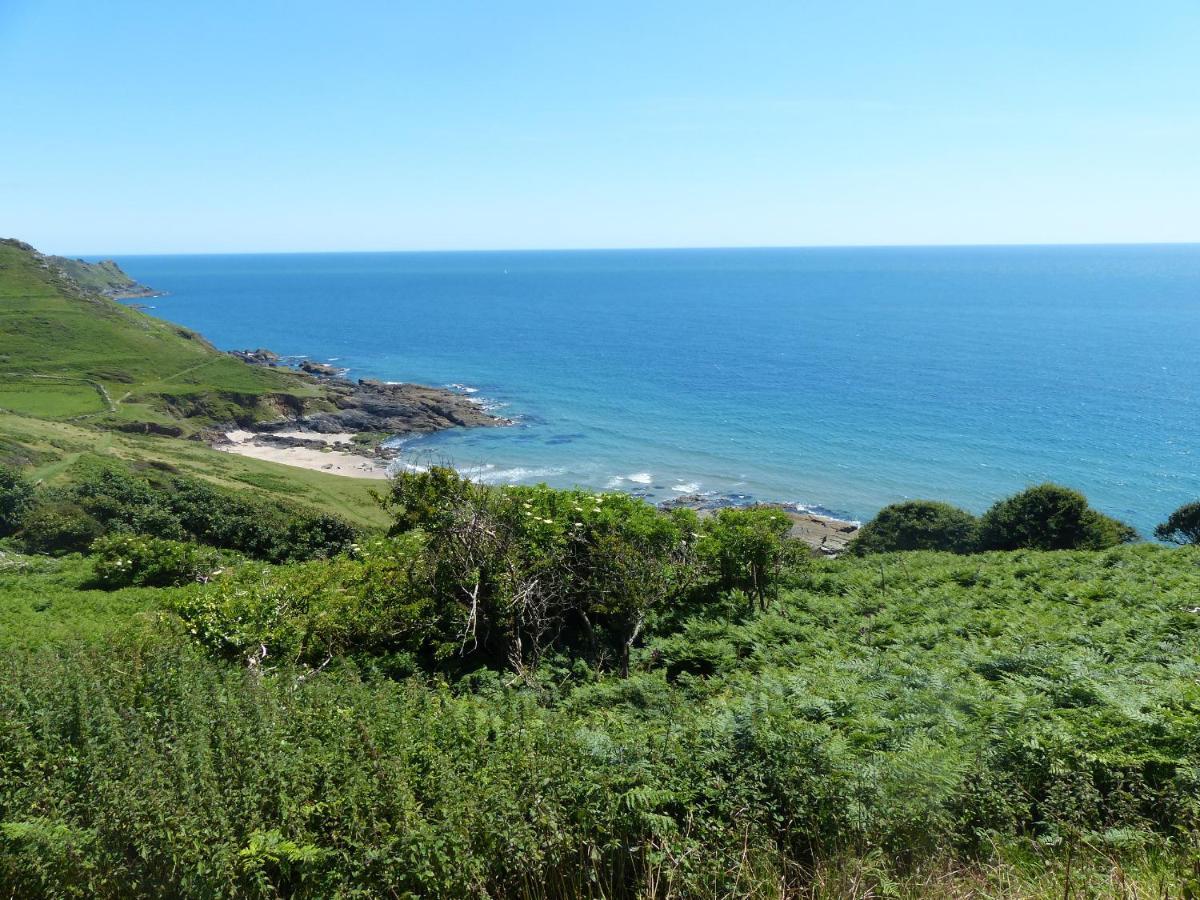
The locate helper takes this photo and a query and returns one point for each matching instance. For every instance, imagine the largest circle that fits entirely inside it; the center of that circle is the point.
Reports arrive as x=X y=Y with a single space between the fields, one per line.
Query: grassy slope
x=75 y=366
x=53 y=447
x=79 y=354
x=47 y=602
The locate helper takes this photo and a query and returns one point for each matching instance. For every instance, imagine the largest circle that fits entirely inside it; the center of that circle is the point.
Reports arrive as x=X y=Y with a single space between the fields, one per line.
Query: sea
x=840 y=380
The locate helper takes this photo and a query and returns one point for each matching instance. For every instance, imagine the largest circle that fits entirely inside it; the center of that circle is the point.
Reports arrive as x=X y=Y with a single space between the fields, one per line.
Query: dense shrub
x=1050 y=517
x=306 y=613
x=918 y=525
x=527 y=570
x=58 y=526
x=1182 y=526
x=110 y=497
x=745 y=549
x=16 y=494
x=124 y=560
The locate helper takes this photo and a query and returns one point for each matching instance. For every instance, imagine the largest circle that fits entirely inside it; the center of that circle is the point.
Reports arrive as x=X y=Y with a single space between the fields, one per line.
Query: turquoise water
x=842 y=379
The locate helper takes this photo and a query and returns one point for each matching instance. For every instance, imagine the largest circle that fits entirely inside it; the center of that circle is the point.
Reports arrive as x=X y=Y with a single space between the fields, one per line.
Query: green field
x=54 y=400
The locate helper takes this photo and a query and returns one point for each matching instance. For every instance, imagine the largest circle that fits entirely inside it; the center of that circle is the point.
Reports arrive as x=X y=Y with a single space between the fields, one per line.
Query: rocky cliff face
x=104 y=277
x=396 y=409
x=373 y=406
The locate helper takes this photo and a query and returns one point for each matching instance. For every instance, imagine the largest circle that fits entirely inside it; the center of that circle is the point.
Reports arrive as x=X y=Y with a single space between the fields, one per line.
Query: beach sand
x=333 y=462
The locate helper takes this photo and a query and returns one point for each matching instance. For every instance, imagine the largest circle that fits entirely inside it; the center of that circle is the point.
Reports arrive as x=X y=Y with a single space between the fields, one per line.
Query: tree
x=1050 y=517
x=1182 y=526
x=918 y=525
x=745 y=549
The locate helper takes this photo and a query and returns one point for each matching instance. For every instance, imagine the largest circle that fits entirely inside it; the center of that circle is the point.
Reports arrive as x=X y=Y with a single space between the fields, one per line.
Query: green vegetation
x=1050 y=517
x=103 y=496
x=54 y=451
x=918 y=525
x=1046 y=517
x=104 y=277
x=56 y=603
x=537 y=693
x=136 y=560
x=67 y=353
x=1182 y=526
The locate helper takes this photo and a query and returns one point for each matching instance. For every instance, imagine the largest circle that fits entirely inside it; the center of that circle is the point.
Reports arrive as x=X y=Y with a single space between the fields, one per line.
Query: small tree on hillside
x=745 y=548
x=1182 y=526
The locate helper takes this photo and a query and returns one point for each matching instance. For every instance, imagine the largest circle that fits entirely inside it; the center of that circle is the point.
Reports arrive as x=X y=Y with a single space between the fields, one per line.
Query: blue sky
x=258 y=126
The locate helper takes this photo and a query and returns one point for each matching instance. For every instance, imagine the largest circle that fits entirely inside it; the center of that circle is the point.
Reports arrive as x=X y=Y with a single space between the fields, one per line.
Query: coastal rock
x=824 y=534
x=259 y=357
x=322 y=369
x=369 y=405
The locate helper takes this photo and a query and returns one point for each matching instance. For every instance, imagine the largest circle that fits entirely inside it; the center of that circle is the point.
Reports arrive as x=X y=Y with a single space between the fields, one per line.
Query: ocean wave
x=489 y=474
x=687 y=487
x=641 y=478
x=463 y=388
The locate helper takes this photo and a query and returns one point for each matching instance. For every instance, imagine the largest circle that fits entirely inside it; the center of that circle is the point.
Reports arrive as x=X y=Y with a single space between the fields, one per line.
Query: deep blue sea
x=843 y=379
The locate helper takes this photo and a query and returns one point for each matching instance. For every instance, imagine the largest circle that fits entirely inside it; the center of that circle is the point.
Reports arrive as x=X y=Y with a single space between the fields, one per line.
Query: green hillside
x=82 y=375
x=66 y=353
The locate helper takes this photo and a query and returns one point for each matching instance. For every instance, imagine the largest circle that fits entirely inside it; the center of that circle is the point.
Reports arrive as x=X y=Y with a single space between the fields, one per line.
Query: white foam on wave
x=489 y=474
x=687 y=487
x=641 y=478
x=613 y=483
x=463 y=388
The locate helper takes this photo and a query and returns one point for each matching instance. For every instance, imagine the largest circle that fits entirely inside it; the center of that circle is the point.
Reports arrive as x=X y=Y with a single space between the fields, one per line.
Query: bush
x=309 y=612
x=918 y=525
x=744 y=549
x=58 y=526
x=16 y=494
x=522 y=571
x=1050 y=517
x=122 y=560
x=1182 y=526
x=117 y=499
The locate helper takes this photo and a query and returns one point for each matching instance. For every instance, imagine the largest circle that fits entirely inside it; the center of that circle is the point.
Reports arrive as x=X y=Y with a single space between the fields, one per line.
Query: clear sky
x=189 y=126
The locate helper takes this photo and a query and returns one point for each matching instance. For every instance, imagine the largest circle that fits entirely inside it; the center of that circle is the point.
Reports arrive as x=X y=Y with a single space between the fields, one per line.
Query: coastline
x=348 y=441
x=336 y=454
x=326 y=453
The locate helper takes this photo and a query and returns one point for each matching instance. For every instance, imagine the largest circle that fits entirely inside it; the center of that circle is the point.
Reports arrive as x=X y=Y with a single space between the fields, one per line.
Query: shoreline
x=329 y=457
x=334 y=454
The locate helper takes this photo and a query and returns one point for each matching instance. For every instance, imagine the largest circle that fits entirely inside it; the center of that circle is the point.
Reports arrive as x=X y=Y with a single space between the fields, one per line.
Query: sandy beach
x=333 y=462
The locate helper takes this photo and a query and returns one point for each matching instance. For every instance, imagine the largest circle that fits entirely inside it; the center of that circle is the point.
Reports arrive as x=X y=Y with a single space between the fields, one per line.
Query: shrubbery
x=55 y=524
x=124 y=560
x=953 y=712
x=110 y=497
x=500 y=577
x=918 y=525
x=16 y=493
x=1046 y=517
x=1182 y=526
x=1050 y=517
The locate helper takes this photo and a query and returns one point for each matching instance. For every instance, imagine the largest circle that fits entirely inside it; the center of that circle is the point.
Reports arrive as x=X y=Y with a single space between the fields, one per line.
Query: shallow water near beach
x=840 y=379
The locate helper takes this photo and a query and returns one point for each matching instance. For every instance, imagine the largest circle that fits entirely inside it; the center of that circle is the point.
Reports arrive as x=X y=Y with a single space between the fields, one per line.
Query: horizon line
x=647 y=249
